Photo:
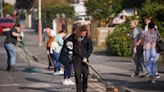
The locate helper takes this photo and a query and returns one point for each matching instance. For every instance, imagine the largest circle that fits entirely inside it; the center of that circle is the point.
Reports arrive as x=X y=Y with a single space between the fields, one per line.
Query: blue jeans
x=11 y=54
x=67 y=71
x=55 y=57
x=151 y=55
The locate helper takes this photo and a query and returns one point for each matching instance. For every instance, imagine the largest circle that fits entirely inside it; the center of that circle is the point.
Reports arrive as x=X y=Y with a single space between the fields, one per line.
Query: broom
x=29 y=68
x=108 y=87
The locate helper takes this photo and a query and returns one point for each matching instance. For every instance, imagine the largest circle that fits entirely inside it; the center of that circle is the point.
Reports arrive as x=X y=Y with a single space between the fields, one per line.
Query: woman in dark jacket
x=82 y=49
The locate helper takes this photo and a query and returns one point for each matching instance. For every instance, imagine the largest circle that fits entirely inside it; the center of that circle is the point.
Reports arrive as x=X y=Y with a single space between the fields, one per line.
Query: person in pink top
x=148 y=19
x=149 y=39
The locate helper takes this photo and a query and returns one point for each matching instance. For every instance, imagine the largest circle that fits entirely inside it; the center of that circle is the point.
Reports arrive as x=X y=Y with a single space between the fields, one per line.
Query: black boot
x=12 y=68
x=85 y=90
x=8 y=69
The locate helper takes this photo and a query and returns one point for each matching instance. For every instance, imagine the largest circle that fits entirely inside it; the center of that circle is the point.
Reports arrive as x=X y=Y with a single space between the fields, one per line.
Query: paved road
x=41 y=81
x=118 y=73
x=115 y=70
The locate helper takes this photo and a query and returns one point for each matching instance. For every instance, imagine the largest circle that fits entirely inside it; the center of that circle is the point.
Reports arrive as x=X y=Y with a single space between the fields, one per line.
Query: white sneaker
x=61 y=72
x=157 y=75
x=66 y=82
x=71 y=82
x=153 y=81
x=56 y=73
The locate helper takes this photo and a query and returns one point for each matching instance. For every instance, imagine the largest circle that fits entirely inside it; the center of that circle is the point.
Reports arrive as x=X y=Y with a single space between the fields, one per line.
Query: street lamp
x=39 y=24
x=1 y=8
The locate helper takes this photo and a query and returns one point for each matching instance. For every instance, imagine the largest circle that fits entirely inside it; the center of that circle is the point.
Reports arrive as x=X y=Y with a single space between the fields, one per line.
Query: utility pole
x=39 y=24
x=1 y=8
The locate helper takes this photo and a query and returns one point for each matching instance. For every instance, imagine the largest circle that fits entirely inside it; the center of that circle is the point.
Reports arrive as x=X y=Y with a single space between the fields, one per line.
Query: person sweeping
x=12 y=37
x=82 y=49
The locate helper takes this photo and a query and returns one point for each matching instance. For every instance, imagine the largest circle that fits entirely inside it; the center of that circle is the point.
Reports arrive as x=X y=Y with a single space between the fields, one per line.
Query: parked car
x=122 y=16
x=5 y=24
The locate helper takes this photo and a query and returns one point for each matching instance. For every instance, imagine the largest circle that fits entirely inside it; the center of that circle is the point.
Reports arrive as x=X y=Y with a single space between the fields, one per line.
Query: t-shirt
x=10 y=38
x=135 y=35
x=60 y=41
x=146 y=28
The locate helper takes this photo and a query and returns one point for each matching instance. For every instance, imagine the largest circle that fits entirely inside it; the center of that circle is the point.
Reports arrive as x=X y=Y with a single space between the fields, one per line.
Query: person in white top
x=48 y=37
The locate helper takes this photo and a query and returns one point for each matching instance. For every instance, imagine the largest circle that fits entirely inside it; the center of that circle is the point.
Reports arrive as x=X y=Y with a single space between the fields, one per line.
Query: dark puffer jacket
x=65 y=58
x=81 y=49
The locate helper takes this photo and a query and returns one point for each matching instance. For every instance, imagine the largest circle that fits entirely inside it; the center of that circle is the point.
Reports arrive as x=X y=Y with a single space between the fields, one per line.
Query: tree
x=155 y=9
x=49 y=3
x=102 y=9
x=8 y=8
x=52 y=11
x=52 y=7
x=132 y=3
x=24 y=4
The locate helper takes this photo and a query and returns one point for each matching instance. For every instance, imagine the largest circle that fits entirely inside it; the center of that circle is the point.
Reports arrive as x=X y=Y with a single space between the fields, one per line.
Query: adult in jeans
x=148 y=19
x=149 y=38
x=137 y=48
x=82 y=49
x=55 y=49
x=10 y=45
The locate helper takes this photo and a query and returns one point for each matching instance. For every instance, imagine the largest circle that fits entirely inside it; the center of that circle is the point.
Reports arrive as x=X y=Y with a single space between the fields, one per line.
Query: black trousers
x=81 y=76
x=49 y=58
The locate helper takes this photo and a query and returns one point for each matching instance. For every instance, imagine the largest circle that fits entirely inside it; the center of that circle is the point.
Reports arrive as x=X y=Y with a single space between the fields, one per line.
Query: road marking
x=6 y=85
x=33 y=85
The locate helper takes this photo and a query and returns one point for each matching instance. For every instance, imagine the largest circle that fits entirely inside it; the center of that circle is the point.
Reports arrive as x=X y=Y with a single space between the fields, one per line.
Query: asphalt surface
x=114 y=70
x=40 y=81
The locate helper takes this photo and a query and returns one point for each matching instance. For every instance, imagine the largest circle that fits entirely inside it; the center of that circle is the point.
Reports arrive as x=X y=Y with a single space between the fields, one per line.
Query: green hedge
x=156 y=11
x=118 y=43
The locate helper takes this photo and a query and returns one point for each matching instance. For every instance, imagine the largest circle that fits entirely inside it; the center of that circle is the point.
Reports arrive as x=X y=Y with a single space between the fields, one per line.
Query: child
x=66 y=59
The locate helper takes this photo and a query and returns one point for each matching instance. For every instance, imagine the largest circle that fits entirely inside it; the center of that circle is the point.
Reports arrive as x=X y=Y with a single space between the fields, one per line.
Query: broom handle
x=23 y=45
x=97 y=73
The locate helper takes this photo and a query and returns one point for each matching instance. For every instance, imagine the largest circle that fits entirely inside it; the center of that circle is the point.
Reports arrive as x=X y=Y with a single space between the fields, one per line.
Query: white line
x=6 y=85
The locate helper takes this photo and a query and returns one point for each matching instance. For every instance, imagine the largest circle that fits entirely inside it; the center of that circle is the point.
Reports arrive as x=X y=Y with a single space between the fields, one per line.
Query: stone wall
x=102 y=33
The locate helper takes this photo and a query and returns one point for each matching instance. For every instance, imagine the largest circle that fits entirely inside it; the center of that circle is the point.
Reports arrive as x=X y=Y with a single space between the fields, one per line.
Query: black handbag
x=159 y=45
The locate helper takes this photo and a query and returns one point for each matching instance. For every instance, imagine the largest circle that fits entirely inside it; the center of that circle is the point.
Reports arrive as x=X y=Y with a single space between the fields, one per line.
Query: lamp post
x=1 y=8
x=39 y=24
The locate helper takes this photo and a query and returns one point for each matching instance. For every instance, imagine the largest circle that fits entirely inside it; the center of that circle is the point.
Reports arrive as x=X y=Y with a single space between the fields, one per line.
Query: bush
x=118 y=43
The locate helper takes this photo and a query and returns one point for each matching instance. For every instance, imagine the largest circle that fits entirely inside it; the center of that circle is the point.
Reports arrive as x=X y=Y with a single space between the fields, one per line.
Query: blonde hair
x=135 y=22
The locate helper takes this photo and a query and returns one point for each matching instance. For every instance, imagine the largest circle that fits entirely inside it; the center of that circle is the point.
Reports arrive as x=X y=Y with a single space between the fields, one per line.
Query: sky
x=10 y=1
